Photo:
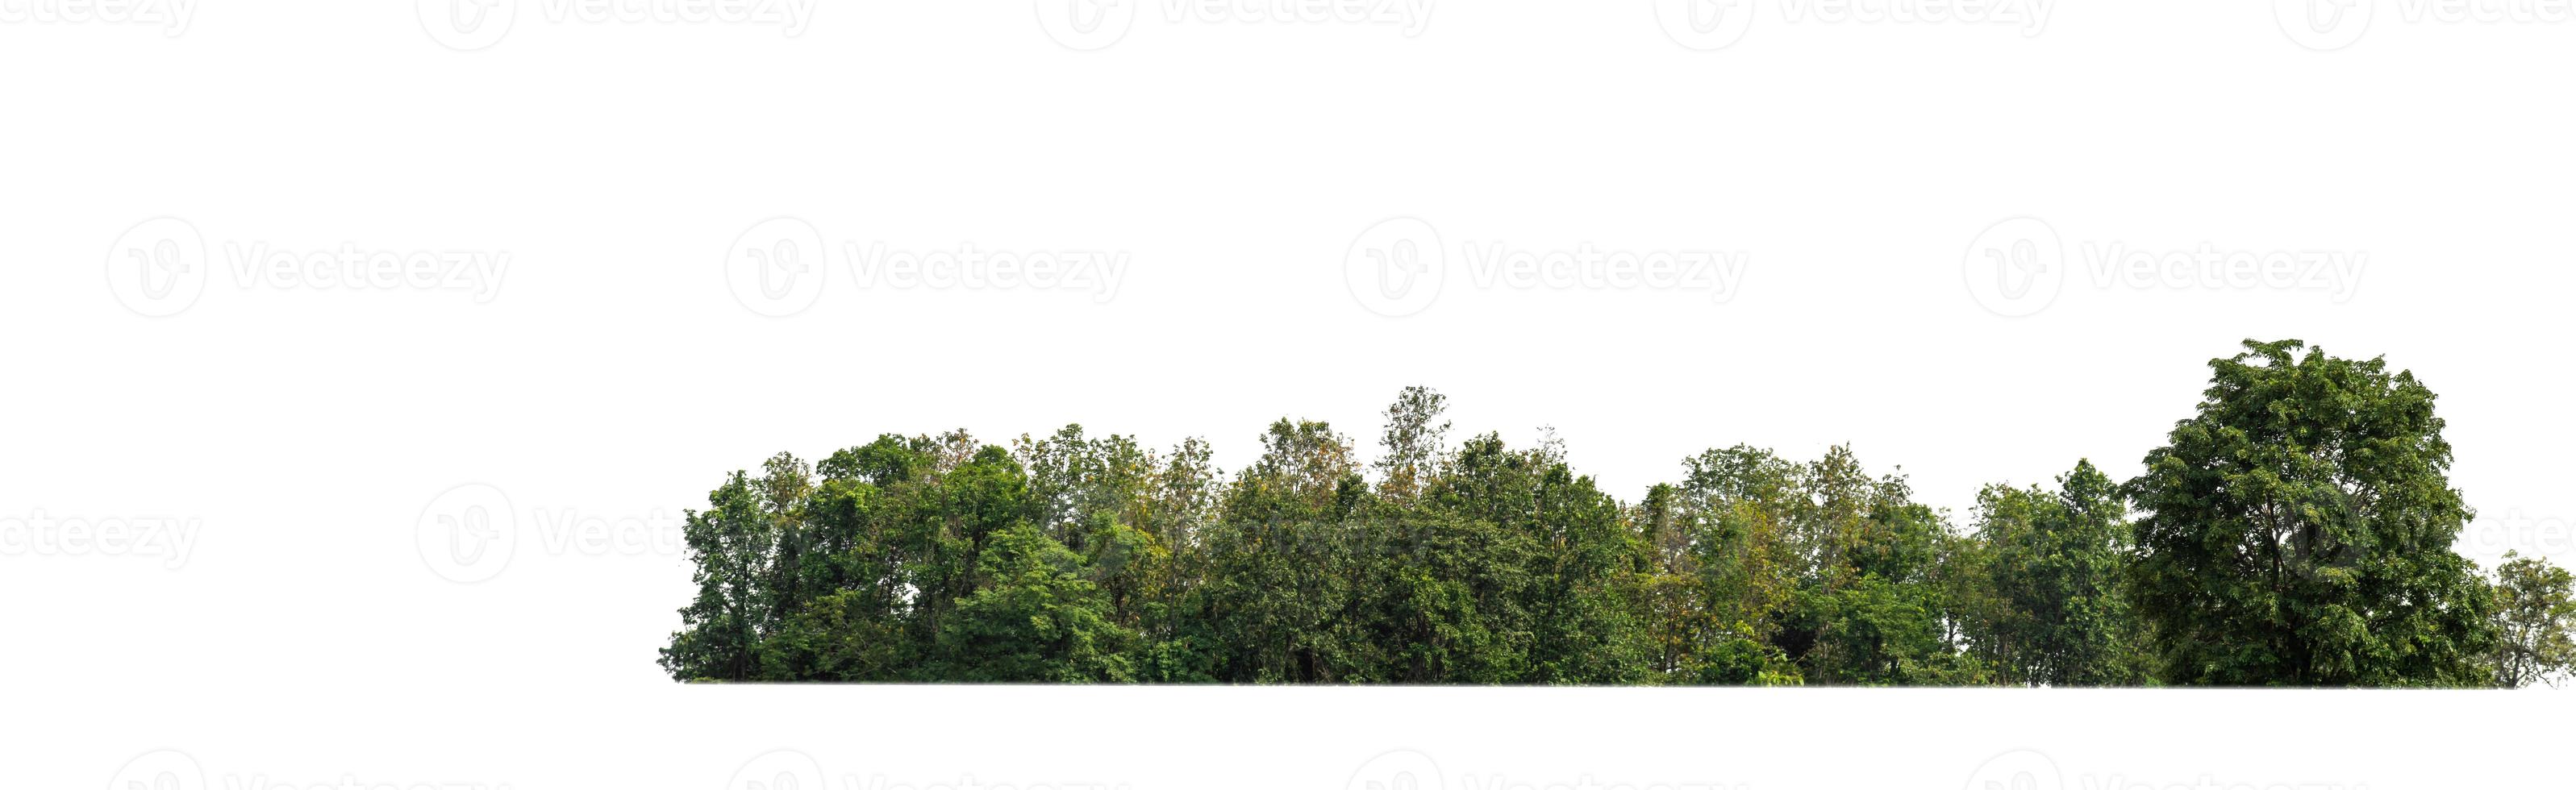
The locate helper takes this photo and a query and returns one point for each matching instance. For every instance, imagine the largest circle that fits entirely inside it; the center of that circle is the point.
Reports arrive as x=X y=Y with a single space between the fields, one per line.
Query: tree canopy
x=2300 y=528
x=2296 y=530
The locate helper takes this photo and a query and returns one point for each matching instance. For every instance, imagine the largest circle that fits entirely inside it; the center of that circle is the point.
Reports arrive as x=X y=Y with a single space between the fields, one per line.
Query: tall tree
x=729 y=544
x=1414 y=441
x=2299 y=528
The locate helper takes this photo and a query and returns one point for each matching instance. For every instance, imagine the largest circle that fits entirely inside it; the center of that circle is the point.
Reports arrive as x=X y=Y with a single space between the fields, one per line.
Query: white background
x=307 y=436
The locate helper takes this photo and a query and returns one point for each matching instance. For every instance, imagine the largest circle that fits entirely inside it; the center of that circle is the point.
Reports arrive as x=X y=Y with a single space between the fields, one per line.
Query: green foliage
x=2535 y=622
x=1032 y=619
x=2046 y=604
x=2297 y=532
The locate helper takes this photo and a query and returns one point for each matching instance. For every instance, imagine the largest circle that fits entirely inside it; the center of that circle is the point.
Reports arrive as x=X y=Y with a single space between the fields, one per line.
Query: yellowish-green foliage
x=1079 y=557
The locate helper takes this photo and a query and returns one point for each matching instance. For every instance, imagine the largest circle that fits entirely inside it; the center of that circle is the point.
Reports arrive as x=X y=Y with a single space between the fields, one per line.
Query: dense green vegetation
x=2296 y=530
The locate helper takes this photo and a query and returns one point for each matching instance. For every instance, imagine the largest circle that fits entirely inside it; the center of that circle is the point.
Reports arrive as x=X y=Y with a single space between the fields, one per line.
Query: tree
x=729 y=544
x=2299 y=529
x=2054 y=612
x=2535 y=622
x=1413 y=442
x=1726 y=568
x=1185 y=494
x=1074 y=481
x=1305 y=471
x=1567 y=551
x=1035 y=620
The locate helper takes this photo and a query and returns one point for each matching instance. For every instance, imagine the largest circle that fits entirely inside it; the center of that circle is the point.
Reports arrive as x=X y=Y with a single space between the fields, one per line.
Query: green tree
x=1034 y=620
x=1413 y=443
x=2535 y=622
x=1725 y=568
x=2054 y=610
x=2299 y=529
x=1567 y=550
x=729 y=544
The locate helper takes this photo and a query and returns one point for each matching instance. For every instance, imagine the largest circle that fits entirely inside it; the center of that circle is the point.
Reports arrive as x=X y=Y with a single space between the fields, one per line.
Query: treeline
x=2296 y=530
